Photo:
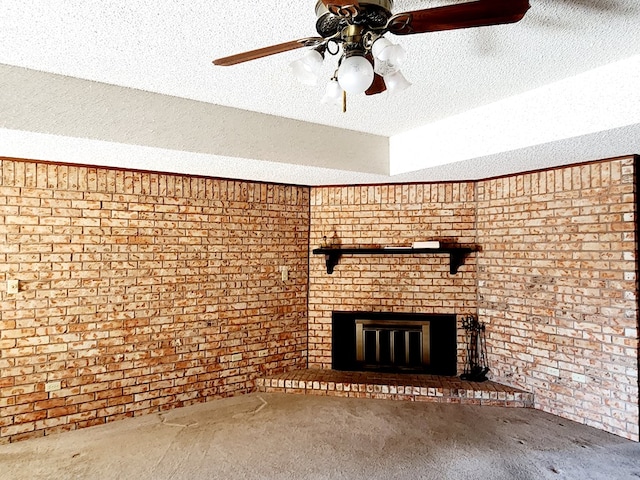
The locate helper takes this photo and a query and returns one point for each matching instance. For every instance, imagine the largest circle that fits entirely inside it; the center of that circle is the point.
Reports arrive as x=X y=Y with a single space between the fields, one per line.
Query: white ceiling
x=132 y=84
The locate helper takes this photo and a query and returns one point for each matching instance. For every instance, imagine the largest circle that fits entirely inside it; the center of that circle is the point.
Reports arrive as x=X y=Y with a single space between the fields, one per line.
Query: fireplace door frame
x=442 y=341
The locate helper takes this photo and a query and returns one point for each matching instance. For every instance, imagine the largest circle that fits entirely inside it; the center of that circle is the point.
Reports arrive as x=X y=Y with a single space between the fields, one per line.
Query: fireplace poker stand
x=476 y=368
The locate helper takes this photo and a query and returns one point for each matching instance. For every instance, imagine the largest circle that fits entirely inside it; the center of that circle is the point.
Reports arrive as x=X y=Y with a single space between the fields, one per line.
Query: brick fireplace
x=554 y=277
x=393 y=215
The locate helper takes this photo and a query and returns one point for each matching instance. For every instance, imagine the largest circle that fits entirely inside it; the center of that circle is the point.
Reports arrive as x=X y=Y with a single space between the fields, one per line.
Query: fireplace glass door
x=392 y=344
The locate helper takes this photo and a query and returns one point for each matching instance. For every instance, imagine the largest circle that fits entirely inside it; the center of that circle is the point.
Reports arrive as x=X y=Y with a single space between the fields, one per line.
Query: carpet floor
x=281 y=436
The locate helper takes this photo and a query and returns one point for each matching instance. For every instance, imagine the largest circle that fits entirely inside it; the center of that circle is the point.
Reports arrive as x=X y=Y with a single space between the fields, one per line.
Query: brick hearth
x=390 y=386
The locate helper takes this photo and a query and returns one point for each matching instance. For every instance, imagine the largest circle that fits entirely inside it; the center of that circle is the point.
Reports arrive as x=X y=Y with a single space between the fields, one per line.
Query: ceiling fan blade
x=378 y=85
x=266 y=51
x=462 y=15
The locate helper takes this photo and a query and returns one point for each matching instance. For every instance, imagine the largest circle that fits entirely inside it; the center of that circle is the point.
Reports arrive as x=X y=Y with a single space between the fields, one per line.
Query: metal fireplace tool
x=476 y=367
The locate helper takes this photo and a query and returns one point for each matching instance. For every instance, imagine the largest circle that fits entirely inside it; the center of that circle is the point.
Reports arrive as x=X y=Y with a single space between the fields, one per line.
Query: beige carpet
x=264 y=436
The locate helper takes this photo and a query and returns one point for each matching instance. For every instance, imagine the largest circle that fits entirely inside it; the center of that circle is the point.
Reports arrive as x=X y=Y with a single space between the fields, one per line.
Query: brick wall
x=557 y=287
x=137 y=290
x=389 y=215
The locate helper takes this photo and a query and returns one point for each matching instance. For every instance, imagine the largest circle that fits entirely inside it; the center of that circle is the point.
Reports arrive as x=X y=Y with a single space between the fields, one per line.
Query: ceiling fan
x=356 y=30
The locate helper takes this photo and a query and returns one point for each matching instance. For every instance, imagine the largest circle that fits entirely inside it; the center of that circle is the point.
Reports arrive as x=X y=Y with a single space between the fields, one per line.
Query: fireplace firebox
x=394 y=342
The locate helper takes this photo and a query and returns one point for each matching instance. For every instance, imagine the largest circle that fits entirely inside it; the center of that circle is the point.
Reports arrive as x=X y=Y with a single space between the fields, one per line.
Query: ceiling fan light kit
x=369 y=62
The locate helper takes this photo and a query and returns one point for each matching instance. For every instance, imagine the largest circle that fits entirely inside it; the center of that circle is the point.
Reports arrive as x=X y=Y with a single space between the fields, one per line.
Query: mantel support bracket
x=456 y=260
x=332 y=260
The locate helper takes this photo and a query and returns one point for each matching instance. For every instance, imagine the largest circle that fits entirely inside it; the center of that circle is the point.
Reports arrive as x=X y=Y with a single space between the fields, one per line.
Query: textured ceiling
x=557 y=87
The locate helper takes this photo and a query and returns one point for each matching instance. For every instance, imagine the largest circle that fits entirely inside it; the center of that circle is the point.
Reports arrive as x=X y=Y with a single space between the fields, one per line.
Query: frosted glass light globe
x=307 y=69
x=386 y=51
x=396 y=82
x=333 y=94
x=355 y=75
x=380 y=48
x=396 y=55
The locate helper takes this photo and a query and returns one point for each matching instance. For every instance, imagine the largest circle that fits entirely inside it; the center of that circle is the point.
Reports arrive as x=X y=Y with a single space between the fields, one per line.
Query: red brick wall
x=136 y=290
x=557 y=288
x=389 y=215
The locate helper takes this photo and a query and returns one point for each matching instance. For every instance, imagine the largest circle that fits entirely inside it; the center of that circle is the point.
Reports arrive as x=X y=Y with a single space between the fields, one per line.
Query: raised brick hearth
x=389 y=386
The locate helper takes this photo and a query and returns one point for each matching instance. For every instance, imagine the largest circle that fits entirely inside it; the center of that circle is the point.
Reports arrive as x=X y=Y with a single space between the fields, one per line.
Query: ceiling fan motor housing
x=371 y=14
